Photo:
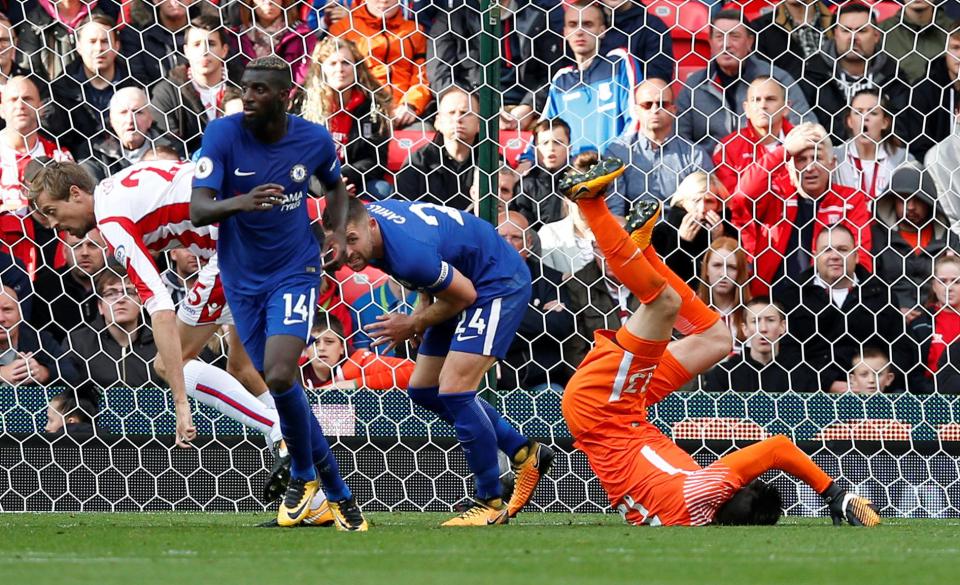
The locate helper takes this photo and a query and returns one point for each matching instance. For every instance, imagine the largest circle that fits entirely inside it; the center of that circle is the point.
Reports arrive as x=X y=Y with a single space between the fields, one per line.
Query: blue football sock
x=509 y=440
x=478 y=439
x=326 y=465
x=295 y=416
x=429 y=398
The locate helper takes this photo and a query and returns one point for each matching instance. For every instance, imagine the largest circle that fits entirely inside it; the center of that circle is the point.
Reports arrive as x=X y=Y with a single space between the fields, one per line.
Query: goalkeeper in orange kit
x=646 y=475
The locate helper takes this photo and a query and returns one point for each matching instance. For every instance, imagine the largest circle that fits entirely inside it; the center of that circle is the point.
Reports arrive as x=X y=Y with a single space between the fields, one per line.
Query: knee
x=668 y=302
x=280 y=377
x=720 y=338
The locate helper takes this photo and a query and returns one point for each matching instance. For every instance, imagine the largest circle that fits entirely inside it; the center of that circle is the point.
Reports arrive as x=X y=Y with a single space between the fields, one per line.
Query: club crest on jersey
x=298 y=173
x=204 y=168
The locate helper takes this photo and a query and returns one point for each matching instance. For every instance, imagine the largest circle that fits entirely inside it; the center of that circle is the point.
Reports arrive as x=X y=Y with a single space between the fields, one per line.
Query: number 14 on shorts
x=474 y=328
x=298 y=311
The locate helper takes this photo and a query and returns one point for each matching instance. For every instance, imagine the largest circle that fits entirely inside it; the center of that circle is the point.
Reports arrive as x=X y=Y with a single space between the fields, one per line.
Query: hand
x=404 y=116
x=186 y=432
x=350 y=187
x=839 y=387
x=392 y=329
x=334 y=250
x=261 y=198
x=909 y=314
x=518 y=117
x=801 y=138
x=713 y=222
x=689 y=227
x=333 y=12
x=553 y=306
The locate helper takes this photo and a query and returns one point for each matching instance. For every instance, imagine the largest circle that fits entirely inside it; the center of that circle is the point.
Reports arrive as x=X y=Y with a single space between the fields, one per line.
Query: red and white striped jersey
x=146 y=208
x=12 y=164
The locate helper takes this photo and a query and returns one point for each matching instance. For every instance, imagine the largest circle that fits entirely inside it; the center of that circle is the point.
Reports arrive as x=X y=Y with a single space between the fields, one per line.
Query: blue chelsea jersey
x=257 y=248
x=423 y=243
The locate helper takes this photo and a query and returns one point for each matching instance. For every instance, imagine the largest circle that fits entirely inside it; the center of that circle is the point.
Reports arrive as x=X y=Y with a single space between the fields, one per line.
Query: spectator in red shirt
x=779 y=214
x=20 y=142
x=766 y=109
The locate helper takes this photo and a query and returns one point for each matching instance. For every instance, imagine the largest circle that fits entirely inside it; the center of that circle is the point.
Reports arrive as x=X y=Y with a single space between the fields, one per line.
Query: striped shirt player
x=145 y=209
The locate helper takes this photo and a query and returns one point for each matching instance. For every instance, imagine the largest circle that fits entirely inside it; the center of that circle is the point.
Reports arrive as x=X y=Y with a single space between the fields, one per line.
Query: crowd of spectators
x=807 y=164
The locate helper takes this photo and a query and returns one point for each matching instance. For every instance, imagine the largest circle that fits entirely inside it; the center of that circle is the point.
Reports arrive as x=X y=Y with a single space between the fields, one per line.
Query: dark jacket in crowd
x=537 y=197
x=97 y=356
x=741 y=373
x=828 y=99
x=433 y=176
x=537 y=355
x=104 y=157
x=594 y=308
x=79 y=116
x=934 y=99
x=454 y=55
x=61 y=302
x=179 y=109
x=681 y=256
x=946 y=380
x=152 y=50
x=775 y=41
x=46 y=44
x=827 y=337
x=14 y=274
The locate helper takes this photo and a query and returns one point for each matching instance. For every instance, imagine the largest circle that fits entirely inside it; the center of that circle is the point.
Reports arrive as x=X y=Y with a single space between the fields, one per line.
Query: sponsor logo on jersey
x=204 y=168
x=292 y=201
x=387 y=214
x=121 y=254
x=298 y=173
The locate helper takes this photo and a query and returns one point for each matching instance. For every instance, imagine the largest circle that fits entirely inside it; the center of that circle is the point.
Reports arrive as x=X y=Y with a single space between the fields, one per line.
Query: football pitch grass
x=402 y=548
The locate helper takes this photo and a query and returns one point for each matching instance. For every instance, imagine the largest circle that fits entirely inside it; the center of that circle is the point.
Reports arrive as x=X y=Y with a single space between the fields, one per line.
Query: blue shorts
x=287 y=309
x=485 y=328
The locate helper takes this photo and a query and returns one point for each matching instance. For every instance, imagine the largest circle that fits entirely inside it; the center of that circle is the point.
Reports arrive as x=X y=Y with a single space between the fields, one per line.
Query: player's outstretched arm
x=171 y=355
x=206 y=209
x=335 y=244
x=395 y=328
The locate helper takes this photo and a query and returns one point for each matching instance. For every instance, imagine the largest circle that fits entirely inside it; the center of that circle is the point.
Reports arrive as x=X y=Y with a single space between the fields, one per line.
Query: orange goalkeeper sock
x=694 y=316
x=777 y=453
x=623 y=256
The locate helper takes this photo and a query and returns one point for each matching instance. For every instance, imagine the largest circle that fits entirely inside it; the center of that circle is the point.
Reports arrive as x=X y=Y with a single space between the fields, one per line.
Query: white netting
x=750 y=228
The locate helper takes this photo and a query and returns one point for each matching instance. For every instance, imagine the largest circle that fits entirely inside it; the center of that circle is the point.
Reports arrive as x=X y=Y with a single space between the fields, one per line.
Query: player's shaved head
x=274 y=67
x=755 y=504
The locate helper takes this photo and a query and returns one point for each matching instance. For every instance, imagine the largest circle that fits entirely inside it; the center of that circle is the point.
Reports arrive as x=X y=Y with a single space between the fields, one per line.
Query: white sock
x=318 y=499
x=267 y=399
x=215 y=387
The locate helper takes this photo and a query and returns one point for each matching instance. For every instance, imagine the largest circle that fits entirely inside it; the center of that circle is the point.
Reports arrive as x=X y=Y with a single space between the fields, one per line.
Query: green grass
x=537 y=549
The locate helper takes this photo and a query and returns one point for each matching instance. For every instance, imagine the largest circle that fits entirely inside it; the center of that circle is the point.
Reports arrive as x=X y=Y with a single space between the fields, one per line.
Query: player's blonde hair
x=320 y=100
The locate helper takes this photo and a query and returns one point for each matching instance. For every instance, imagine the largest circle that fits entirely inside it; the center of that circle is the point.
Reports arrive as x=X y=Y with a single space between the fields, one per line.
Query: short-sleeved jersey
x=423 y=243
x=146 y=208
x=259 y=248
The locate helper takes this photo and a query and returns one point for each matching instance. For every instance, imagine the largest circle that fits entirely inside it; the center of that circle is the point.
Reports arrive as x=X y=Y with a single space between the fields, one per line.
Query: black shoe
x=276 y=483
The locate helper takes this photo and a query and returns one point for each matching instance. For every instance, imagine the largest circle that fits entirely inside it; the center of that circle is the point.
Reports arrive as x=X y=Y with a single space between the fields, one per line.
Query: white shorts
x=205 y=303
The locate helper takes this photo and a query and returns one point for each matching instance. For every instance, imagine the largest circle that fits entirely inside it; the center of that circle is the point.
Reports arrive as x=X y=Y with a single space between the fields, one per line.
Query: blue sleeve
x=328 y=167
x=430 y=273
x=628 y=77
x=210 y=171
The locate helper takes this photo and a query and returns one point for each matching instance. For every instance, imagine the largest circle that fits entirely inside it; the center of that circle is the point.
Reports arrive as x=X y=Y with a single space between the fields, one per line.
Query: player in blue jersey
x=475 y=289
x=252 y=179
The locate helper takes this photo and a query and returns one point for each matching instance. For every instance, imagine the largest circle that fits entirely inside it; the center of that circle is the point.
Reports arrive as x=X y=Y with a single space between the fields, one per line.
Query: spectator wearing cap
x=852 y=61
x=535 y=359
x=131 y=134
x=911 y=231
x=711 y=102
x=916 y=35
x=767 y=125
x=805 y=196
x=47 y=33
x=442 y=172
x=943 y=163
x=836 y=307
x=117 y=348
x=657 y=159
x=869 y=158
x=528 y=48
x=396 y=52
x=793 y=32
x=593 y=95
x=28 y=357
x=20 y=142
x=66 y=297
x=936 y=97
x=84 y=91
